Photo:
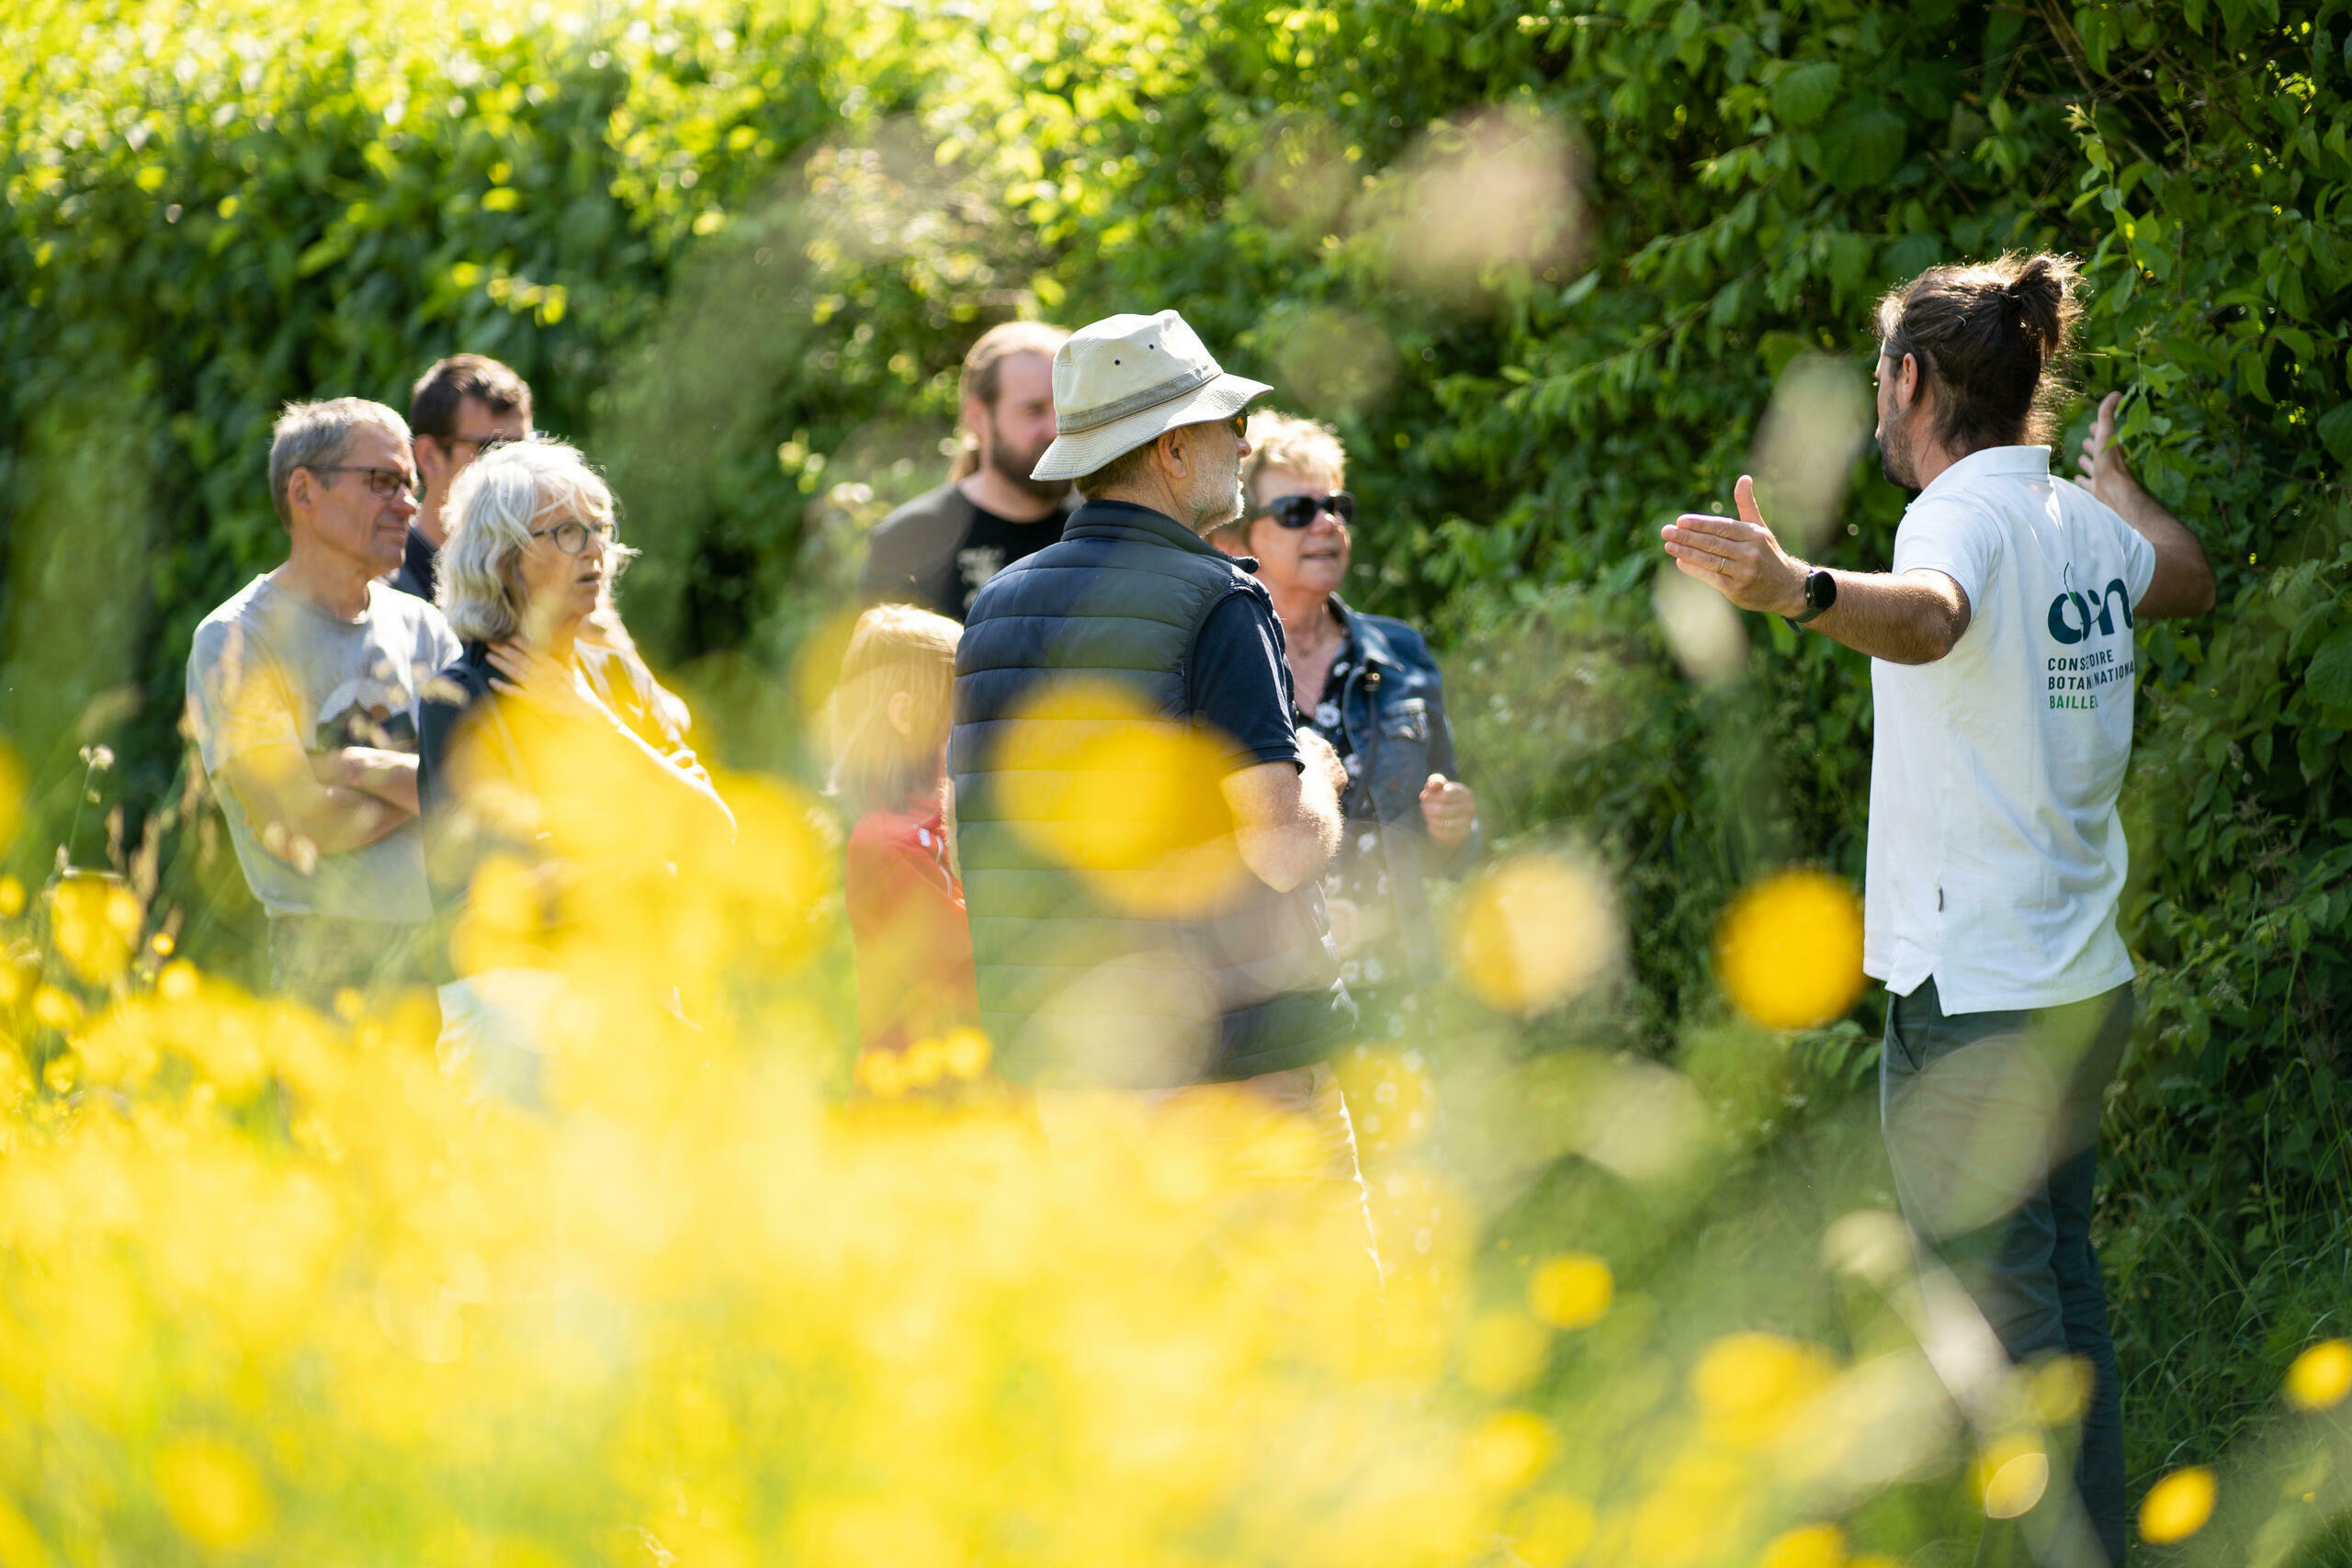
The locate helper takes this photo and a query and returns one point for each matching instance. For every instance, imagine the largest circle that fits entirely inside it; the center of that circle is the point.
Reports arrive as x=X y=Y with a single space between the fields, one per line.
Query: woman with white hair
x=534 y=735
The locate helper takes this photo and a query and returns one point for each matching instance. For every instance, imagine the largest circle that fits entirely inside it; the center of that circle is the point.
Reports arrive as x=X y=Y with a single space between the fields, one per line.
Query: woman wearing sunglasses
x=1366 y=683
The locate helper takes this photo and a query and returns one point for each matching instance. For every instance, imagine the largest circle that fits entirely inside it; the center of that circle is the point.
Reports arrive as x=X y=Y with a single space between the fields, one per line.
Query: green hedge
x=739 y=248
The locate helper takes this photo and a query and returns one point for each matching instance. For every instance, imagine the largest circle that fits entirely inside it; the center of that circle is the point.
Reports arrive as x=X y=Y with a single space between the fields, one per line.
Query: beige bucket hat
x=1126 y=380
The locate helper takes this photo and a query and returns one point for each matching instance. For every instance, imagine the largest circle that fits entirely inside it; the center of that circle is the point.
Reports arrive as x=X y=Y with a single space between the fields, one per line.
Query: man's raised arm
x=1911 y=618
x=2183 y=584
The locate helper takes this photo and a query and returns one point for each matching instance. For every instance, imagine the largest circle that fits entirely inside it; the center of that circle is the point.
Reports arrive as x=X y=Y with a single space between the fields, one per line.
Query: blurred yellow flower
x=2178 y=1506
x=1508 y=1450
x=1750 y=1386
x=926 y=1062
x=212 y=1493
x=1572 y=1290
x=56 y=1008
x=2010 y=1475
x=1807 y=1545
x=1790 y=950
x=1552 y=1530
x=2060 y=1389
x=966 y=1052
x=2321 y=1376
x=1131 y=800
x=1503 y=1352
x=12 y=893
x=882 y=1073
x=176 y=982
x=94 y=920
x=1534 y=931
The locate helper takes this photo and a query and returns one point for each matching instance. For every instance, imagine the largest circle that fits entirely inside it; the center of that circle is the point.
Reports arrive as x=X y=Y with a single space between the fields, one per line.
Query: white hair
x=492 y=507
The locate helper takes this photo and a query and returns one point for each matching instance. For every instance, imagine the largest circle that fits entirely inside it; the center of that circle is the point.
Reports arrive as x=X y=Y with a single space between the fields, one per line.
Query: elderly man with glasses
x=1142 y=825
x=303 y=692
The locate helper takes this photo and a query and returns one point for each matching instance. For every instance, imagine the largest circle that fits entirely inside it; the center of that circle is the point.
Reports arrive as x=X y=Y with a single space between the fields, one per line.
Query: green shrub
x=739 y=249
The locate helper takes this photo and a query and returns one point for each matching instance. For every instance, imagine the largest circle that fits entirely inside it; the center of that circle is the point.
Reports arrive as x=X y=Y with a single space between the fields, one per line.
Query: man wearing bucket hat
x=1104 y=969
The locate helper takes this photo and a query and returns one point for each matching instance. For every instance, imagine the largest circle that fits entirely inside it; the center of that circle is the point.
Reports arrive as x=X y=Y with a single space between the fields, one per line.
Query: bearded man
x=940 y=549
x=2003 y=665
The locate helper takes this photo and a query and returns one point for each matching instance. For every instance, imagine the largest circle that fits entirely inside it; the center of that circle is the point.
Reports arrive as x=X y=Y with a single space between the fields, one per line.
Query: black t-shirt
x=1242 y=686
x=938 y=549
x=994 y=543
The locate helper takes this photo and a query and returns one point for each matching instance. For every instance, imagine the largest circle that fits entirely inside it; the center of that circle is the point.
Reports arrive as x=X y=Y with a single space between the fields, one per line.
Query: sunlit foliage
x=738 y=249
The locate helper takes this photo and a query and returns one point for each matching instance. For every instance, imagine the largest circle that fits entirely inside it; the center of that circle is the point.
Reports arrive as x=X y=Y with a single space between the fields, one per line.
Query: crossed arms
x=331 y=801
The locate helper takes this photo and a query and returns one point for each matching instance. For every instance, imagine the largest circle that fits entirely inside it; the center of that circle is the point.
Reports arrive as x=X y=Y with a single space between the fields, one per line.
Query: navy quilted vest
x=1074 y=989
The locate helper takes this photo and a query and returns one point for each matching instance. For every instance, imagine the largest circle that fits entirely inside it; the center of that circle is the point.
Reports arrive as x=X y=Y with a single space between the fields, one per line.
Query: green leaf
x=1864 y=145
x=1803 y=94
x=1776 y=349
x=2335 y=431
x=2328 y=677
x=324 y=253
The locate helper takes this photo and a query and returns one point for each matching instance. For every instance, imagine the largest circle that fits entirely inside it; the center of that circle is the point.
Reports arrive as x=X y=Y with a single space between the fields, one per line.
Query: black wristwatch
x=1820 y=592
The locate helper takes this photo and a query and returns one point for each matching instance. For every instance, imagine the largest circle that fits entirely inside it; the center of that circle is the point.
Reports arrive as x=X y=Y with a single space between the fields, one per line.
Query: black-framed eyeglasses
x=571 y=535
x=482 y=445
x=1301 y=510
x=383 y=483
x=1241 y=423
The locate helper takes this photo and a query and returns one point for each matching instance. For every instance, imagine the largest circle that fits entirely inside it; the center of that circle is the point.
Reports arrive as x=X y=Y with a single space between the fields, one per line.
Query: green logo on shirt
x=2071 y=613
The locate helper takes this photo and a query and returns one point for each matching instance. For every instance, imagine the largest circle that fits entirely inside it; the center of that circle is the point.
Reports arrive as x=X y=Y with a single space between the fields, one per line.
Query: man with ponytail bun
x=2002 y=675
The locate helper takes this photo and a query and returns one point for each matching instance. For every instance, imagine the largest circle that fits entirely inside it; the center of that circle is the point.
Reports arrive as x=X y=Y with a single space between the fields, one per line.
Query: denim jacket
x=1393 y=707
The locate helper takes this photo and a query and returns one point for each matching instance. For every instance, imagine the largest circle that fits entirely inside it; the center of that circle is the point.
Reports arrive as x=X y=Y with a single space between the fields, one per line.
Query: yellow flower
x=1534 y=933
x=2010 y=1475
x=1790 y=950
x=1503 y=1352
x=1130 y=801
x=2178 y=1506
x=2321 y=1376
x=94 y=920
x=1750 y=1386
x=1807 y=1545
x=212 y=1493
x=967 y=1053
x=1552 y=1531
x=1508 y=1450
x=1572 y=1290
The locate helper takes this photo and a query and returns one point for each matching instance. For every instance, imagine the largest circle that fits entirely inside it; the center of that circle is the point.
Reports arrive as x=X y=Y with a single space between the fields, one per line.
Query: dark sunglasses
x=1300 y=510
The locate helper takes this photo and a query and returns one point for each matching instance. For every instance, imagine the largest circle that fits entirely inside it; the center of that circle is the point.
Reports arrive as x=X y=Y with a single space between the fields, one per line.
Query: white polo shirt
x=1996 y=854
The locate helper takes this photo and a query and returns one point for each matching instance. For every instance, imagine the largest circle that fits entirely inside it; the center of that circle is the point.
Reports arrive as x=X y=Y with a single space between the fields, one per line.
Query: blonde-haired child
x=891 y=714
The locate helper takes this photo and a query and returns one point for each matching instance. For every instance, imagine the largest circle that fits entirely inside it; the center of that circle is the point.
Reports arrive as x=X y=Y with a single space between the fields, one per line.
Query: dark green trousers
x=1991 y=1121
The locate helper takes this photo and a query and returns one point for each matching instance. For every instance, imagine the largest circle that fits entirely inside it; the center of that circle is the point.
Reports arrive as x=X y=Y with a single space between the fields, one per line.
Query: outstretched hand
x=1738 y=557
x=2101 y=468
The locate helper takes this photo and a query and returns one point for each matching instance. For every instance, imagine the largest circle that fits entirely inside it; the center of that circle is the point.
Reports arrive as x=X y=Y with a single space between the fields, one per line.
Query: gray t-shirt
x=269 y=668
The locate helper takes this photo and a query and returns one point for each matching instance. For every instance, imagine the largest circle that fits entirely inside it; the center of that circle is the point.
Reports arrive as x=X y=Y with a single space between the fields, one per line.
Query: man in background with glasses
x=459 y=409
x=303 y=692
